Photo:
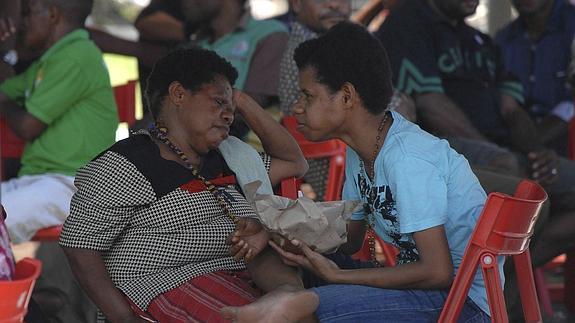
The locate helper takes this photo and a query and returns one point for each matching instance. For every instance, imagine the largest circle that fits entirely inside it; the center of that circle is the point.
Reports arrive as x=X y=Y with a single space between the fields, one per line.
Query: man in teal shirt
x=253 y=47
x=62 y=106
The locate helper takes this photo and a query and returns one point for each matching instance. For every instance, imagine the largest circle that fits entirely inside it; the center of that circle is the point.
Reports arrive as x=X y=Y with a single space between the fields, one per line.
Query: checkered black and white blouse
x=155 y=225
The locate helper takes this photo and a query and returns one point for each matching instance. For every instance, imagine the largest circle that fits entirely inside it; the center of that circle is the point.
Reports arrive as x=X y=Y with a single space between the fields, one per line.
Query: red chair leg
x=493 y=288
x=569 y=287
x=463 y=279
x=542 y=291
x=526 y=285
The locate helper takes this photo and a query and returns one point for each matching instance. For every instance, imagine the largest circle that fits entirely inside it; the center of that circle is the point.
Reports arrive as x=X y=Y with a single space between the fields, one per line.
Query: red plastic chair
x=504 y=228
x=15 y=294
x=289 y=188
x=50 y=234
x=126 y=101
x=10 y=145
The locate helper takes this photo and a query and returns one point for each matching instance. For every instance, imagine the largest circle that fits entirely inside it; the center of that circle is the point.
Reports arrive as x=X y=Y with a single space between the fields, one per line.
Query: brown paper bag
x=321 y=225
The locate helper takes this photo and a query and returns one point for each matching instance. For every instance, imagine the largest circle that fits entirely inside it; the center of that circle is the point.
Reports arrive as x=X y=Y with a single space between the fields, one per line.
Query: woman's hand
x=248 y=240
x=308 y=259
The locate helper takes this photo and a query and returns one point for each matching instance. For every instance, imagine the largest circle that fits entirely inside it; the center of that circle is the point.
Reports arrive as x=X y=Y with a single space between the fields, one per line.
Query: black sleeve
x=408 y=37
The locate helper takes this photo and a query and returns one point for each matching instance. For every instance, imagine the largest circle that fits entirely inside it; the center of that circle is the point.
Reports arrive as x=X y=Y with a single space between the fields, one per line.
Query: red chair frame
x=125 y=96
x=16 y=293
x=504 y=228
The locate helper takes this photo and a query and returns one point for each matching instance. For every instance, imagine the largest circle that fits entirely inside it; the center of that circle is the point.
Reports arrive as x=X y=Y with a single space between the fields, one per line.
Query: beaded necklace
x=370 y=221
x=161 y=133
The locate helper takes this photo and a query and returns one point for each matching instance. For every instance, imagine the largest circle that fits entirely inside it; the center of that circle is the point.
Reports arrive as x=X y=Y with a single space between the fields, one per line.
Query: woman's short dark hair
x=349 y=53
x=191 y=67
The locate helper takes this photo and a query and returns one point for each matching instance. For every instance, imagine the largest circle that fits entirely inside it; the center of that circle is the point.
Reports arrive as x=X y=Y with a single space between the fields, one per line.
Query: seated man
x=254 y=47
x=62 y=106
x=536 y=47
x=464 y=93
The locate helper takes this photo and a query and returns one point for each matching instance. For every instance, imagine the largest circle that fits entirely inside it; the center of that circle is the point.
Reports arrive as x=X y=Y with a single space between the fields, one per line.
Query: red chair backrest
x=15 y=294
x=504 y=228
x=126 y=101
x=11 y=145
x=48 y=234
x=289 y=188
x=506 y=223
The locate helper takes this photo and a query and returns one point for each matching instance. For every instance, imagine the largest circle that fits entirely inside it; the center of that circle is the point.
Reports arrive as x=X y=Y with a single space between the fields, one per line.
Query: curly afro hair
x=349 y=53
x=191 y=67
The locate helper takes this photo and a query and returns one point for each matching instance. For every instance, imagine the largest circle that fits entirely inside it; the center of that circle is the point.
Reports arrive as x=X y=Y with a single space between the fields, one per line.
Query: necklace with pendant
x=161 y=133
x=370 y=172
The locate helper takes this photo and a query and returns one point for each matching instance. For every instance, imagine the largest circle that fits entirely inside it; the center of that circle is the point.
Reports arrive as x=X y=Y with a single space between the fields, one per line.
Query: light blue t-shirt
x=420 y=182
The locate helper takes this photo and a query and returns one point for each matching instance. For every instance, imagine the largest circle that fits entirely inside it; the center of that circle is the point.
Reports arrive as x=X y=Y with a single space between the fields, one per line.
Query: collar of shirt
x=78 y=34
x=205 y=33
x=555 y=22
x=301 y=33
x=436 y=18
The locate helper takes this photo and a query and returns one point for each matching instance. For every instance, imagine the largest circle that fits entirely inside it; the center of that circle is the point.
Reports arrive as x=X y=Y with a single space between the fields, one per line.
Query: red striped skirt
x=200 y=299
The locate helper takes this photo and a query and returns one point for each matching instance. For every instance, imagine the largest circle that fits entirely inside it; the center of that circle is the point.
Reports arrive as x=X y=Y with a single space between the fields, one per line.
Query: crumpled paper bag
x=321 y=225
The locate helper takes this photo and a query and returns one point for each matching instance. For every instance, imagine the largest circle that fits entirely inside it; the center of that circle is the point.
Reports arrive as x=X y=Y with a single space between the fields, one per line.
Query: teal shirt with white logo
x=239 y=46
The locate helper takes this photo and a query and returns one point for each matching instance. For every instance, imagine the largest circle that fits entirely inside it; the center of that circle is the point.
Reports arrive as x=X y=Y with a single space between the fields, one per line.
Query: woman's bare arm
x=287 y=158
x=89 y=269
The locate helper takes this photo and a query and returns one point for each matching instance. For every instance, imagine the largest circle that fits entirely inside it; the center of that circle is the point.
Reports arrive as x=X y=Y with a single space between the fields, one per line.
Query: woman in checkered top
x=146 y=236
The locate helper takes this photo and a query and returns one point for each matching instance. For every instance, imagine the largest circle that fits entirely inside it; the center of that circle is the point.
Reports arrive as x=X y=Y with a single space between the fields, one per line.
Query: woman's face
x=317 y=111
x=206 y=115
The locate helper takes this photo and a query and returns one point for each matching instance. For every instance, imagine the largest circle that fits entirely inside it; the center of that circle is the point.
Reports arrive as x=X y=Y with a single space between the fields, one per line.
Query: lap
x=356 y=303
x=34 y=202
x=200 y=299
x=486 y=154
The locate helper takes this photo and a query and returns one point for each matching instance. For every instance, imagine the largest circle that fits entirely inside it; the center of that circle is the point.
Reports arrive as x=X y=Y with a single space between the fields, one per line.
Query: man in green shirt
x=62 y=106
